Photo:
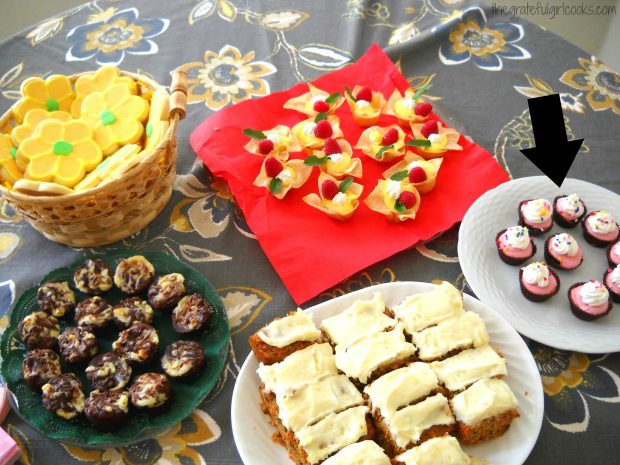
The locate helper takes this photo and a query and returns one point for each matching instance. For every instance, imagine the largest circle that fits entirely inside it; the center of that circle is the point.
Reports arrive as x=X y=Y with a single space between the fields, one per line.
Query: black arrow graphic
x=554 y=153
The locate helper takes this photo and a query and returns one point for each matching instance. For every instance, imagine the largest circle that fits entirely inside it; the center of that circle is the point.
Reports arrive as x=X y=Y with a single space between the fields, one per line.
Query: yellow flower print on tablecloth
x=9 y=171
x=101 y=80
x=226 y=77
x=32 y=120
x=571 y=376
x=116 y=117
x=52 y=94
x=177 y=445
x=59 y=152
x=599 y=81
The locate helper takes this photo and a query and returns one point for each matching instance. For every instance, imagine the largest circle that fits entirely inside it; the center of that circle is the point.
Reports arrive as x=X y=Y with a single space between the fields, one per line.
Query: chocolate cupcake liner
x=533 y=230
x=565 y=223
x=512 y=260
x=554 y=262
x=585 y=316
x=535 y=297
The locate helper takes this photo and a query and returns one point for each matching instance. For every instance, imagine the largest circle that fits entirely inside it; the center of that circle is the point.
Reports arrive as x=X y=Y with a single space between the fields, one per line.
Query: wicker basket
x=116 y=209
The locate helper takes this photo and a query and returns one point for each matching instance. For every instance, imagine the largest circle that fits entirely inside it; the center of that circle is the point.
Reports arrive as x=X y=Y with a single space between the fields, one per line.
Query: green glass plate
x=186 y=395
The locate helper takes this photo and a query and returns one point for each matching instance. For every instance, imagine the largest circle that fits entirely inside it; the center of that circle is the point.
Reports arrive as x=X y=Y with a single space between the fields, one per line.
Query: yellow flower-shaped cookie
x=9 y=171
x=276 y=142
x=315 y=101
x=397 y=200
x=279 y=177
x=405 y=107
x=312 y=134
x=382 y=144
x=52 y=94
x=441 y=141
x=365 y=105
x=337 y=199
x=116 y=117
x=336 y=159
x=32 y=120
x=59 y=152
x=111 y=168
x=157 y=123
x=417 y=171
x=99 y=81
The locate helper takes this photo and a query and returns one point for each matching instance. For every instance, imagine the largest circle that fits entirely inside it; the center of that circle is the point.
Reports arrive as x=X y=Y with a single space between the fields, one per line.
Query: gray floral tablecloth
x=482 y=67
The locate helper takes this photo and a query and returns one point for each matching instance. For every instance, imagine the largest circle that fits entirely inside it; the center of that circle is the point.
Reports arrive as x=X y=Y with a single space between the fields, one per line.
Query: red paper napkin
x=310 y=251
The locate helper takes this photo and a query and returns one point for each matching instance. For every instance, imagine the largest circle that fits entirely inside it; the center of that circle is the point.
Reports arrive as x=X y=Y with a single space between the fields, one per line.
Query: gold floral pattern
x=566 y=376
x=226 y=77
x=599 y=81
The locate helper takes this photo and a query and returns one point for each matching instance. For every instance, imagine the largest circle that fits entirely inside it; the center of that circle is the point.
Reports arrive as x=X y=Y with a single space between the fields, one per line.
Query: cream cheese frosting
x=459 y=332
x=292 y=328
x=536 y=273
x=469 y=366
x=419 y=311
x=408 y=424
x=593 y=293
x=315 y=401
x=360 y=453
x=602 y=222
x=517 y=237
x=363 y=317
x=565 y=244
x=364 y=356
x=299 y=369
x=483 y=399
x=536 y=211
x=444 y=450
x=401 y=387
x=334 y=432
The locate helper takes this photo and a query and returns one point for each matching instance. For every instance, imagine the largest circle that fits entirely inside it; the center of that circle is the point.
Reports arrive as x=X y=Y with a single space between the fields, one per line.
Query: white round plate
x=251 y=427
x=497 y=284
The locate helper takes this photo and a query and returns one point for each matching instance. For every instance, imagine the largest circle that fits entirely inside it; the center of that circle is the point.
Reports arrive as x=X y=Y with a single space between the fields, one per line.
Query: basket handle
x=178 y=94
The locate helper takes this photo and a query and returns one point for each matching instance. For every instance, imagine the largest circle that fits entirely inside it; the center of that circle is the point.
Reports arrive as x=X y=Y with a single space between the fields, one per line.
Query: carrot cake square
x=420 y=311
x=360 y=453
x=436 y=451
x=465 y=368
x=484 y=410
x=283 y=336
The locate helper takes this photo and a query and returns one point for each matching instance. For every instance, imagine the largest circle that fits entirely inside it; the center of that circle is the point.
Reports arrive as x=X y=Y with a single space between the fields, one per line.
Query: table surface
x=482 y=68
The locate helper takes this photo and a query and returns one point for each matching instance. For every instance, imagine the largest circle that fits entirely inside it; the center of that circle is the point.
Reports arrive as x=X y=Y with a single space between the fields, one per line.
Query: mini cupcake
x=536 y=215
x=107 y=410
x=563 y=251
x=613 y=253
x=514 y=245
x=77 y=344
x=56 y=298
x=568 y=210
x=40 y=366
x=600 y=228
x=538 y=282
x=589 y=301
x=151 y=392
x=612 y=281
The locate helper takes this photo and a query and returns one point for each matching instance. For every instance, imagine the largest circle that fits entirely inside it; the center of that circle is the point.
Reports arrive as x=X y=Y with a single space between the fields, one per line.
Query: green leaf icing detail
x=51 y=104
x=62 y=147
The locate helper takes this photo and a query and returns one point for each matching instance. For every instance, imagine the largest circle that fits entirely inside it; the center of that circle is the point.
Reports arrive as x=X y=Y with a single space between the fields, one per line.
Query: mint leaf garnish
x=399 y=176
x=344 y=185
x=275 y=185
x=383 y=149
x=419 y=143
x=254 y=134
x=349 y=93
x=399 y=207
x=421 y=91
x=313 y=160
x=333 y=98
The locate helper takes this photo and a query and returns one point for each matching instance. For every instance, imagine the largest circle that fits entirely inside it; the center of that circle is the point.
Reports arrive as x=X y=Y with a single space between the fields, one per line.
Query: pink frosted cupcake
x=612 y=281
x=514 y=245
x=568 y=210
x=589 y=301
x=538 y=282
x=600 y=228
x=613 y=253
x=536 y=216
x=562 y=251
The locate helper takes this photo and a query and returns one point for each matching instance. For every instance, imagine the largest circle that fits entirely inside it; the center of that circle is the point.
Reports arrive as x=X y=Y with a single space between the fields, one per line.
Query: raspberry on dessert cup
x=433 y=140
x=613 y=253
x=336 y=159
x=280 y=177
x=562 y=251
x=415 y=170
x=382 y=144
x=514 y=245
x=397 y=200
x=589 y=300
x=337 y=199
x=277 y=142
x=408 y=107
x=365 y=105
x=568 y=210
x=315 y=101
x=535 y=214
x=538 y=283
x=611 y=279
x=313 y=132
x=600 y=228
